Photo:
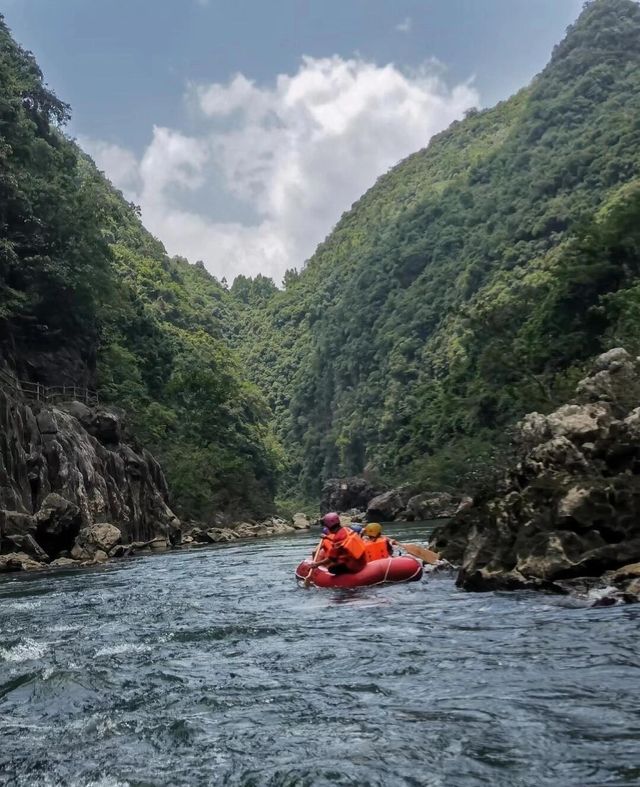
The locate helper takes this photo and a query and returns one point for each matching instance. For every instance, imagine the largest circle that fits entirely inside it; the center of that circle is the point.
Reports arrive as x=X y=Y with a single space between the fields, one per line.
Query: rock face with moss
x=71 y=484
x=570 y=508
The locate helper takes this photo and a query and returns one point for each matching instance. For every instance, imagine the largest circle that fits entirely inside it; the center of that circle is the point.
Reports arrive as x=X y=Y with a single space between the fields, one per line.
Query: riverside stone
x=18 y=561
x=28 y=544
x=64 y=562
x=570 y=508
x=388 y=506
x=344 y=494
x=97 y=538
x=301 y=522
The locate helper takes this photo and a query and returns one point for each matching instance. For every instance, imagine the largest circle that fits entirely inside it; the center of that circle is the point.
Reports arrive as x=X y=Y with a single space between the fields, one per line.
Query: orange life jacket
x=348 y=551
x=376 y=550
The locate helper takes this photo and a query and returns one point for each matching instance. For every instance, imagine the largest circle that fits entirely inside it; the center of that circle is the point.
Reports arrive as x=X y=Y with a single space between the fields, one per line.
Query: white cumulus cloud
x=296 y=154
x=405 y=26
x=119 y=163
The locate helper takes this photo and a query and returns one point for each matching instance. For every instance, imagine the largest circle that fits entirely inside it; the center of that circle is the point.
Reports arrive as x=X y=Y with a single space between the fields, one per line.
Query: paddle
x=307 y=579
x=420 y=552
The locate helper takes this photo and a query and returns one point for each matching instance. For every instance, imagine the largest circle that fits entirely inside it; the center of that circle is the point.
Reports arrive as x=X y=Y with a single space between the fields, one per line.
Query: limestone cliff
x=570 y=508
x=63 y=470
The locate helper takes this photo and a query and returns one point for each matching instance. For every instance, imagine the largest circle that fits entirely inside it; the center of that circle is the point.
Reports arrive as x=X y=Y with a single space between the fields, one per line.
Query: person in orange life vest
x=342 y=549
x=376 y=546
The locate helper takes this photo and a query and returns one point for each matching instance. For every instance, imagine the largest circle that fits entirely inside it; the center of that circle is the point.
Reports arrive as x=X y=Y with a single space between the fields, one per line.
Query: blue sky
x=245 y=128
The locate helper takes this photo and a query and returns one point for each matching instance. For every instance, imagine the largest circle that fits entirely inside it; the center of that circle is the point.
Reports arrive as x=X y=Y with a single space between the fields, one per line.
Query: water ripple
x=212 y=667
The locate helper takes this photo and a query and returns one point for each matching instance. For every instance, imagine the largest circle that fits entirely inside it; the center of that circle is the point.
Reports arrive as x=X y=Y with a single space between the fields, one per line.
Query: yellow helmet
x=373 y=530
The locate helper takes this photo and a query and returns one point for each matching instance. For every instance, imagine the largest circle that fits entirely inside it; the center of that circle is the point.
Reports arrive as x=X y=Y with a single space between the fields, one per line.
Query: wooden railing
x=49 y=394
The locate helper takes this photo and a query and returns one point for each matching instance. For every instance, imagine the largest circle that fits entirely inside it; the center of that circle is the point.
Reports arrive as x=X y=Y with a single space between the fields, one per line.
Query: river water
x=212 y=667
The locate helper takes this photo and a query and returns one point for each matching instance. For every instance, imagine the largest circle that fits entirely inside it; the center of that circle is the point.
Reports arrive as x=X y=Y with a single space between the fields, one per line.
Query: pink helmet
x=331 y=520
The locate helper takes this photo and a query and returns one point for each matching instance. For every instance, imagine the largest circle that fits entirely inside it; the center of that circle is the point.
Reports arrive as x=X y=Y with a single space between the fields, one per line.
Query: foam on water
x=22 y=606
x=122 y=648
x=27 y=650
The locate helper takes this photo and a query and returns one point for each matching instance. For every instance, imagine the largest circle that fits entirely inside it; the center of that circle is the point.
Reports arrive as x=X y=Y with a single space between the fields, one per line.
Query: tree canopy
x=470 y=284
x=84 y=284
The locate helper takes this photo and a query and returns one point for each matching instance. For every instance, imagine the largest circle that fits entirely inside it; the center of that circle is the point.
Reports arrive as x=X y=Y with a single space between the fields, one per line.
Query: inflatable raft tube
x=376 y=572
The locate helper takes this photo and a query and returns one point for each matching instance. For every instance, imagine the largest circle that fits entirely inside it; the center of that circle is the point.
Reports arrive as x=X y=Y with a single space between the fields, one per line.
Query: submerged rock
x=570 y=508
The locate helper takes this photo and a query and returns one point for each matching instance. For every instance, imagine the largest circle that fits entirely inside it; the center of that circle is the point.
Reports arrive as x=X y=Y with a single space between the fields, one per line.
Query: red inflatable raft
x=376 y=572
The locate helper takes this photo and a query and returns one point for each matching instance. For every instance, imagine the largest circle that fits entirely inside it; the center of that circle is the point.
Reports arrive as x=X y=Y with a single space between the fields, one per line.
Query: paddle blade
x=427 y=555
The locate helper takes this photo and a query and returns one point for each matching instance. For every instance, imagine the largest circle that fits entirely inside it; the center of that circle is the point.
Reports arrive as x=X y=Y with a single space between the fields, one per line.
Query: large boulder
x=389 y=505
x=94 y=539
x=102 y=423
x=301 y=521
x=344 y=494
x=569 y=509
x=432 y=505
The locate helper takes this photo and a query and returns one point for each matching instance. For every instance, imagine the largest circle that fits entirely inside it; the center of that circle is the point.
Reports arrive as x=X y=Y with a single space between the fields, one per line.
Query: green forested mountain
x=470 y=284
x=87 y=296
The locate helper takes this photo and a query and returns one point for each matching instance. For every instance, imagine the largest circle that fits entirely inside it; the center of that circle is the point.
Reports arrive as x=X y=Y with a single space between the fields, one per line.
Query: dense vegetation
x=470 y=284
x=88 y=295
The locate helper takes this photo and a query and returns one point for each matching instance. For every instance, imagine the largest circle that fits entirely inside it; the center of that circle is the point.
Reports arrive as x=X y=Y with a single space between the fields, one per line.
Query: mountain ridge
x=374 y=356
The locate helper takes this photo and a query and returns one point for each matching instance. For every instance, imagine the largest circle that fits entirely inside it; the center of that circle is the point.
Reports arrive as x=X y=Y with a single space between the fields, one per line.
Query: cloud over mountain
x=290 y=159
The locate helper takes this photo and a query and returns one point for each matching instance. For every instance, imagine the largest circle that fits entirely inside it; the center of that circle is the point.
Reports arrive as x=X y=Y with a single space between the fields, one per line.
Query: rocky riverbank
x=365 y=501
x=566 y=517
x=75 y=490
x=199 y=534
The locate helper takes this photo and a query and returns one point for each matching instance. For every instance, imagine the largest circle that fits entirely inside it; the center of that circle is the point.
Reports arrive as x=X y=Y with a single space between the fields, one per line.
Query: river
x=212 y=667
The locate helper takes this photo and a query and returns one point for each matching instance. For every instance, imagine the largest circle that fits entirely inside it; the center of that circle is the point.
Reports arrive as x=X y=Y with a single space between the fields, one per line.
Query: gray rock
x=29 y=545
x=615 y=358
x=122 y=550
x=58 y=523
x=569 y=511
x=47 y=422
x=388 y=506
x=344 y=494
x=432 y=505
x=581 y=423
x=64 y=562
x=93 y=539
x=18 y=561
x=301 y=522
x=13 y=523
x=70 y=465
